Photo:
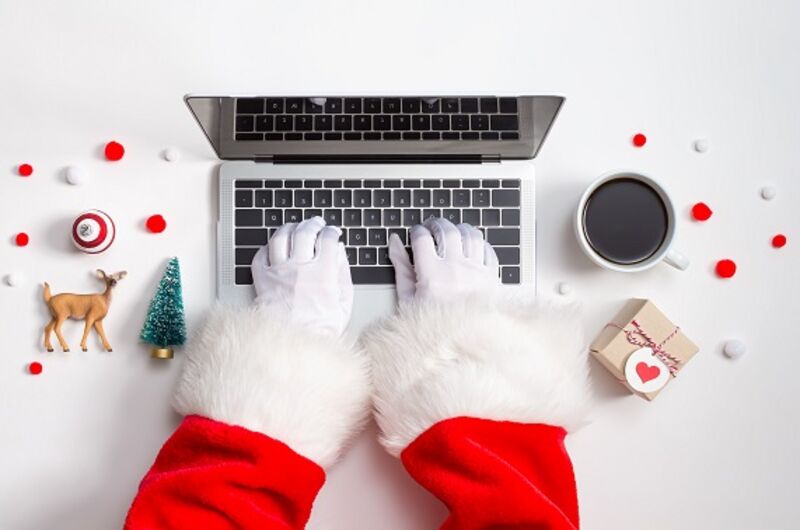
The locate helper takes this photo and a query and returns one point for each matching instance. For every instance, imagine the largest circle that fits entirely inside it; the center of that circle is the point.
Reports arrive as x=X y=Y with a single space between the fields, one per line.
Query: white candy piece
x=734 y=348
x=171 y=154
x=75 y=175
x=701 y=145
x=564 y=288
x=768 y=193
x=15 y=279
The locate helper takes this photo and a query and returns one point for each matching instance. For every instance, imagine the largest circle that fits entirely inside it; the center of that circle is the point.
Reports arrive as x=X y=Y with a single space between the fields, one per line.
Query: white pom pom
x=75 y=175
x=564 y=288
x=768 y=193
x=734 y=348
x=15 y=279
x=701 y=145
x=171 y=154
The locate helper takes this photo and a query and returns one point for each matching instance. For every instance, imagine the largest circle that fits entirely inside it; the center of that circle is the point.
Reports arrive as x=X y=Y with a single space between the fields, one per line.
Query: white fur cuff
x=250 y=368
x=501 y=360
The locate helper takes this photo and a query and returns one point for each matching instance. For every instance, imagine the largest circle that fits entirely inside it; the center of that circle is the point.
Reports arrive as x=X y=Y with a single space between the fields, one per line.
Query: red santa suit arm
x=475 y=396
x=264 y=417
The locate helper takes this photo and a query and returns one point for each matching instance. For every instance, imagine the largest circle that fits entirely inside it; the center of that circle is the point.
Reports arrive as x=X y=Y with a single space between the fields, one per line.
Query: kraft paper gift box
x=642 y=348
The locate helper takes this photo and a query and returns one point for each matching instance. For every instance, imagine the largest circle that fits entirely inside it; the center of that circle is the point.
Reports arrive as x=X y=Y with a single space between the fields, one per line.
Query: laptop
x=374 y=165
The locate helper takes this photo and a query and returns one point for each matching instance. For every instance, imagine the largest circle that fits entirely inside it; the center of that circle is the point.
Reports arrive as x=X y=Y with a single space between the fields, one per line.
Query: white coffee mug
x=664 y=252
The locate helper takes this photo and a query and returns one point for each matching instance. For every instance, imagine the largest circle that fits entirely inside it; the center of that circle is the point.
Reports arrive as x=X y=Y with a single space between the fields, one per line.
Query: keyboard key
x=372 y=105
x=362 y=198
x=352 y=183
x=357 y=236
x=431 y=183
x=313 y=108
x=431 y=136
x=422 y=198
x=244 y=256
x=243 y=276
x=412 y=183
x=391 y=105
x=507 y=255
x=431 y=212
x=382 y=198
x=333 y=217
x=491 y=217
x=283 y=198
x=273 y=137
x=372 y=183
x=508 y=105
x=372 y=136
x=251 y=236
x=469 y=136
x=249 y=137
x=333 y=136
x=308 y=213
x=251 y=217
x=505 y=123
x=333 y=105
x=274 y=105
x=293 y=183
x=451 y=183
x=377 y=236
x=450 y=136
x=510 y=275
x=480 y=198
x=372 y=275
x=479 y=122
x=460 y=122
x=392 y=217
x=509 y=136
x=421 y=122
x=402 y=233
x=352 y=255
x=430 y=106
x=450 y=105
x=490 y=183
x=382 y=122
x=391 y=136
x=488 y=105
x=452 y=215
x=250 y=105
x=505 y=197
x=323 y=123
x=412 y=217
x=401 y=198
x=490 y=136
x=502 y=236
x=263 y=199
x=273 y=183
x=293 y=215
x=273 y=217
x=510 y=217
x=362 y=122
x=441 y=198
x=441 y=122
x=411 y=105
x=411 y=135
x=510 y=183
x=383 y=256
x=471 y=216
x=401 y=122
x=367 y=256
x=352 y=218
x=312 y=183
x=392 y=183
x=332 y=183
x=343 y=198
x=352 y=136
x=352 y=105
x=372 y=217
x=313 y=136
x=469 y=105
x=243 y=199
x=293 y=136
x=461 y=198
x=343 y=123
x=294 y=105
x=322 y=198
x=248 y=184
x=304 y=122
x=265 y=123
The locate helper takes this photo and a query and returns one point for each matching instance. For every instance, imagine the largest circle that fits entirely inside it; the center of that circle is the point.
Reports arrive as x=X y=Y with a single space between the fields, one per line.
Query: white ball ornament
x=15 y=279
x=564 y=288
x=701 y=145
x=734 y=348
x=75 y=175
x=768 y=193
x=171 y=154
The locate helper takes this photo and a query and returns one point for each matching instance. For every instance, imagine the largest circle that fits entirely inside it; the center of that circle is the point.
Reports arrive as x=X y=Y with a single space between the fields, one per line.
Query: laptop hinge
x=373 y=159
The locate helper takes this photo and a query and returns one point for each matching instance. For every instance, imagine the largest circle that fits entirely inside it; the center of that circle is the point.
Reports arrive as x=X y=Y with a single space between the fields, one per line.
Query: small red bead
x=25 y=170
x=639 y=139
x=156 y=224
x=701 y=211
x=726 y=268
x=779 y=241
x=35 y=368
x=22 y=239
x=114 y=151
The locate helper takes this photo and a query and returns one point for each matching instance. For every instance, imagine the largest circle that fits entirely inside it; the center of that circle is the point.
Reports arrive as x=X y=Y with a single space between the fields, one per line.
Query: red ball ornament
x=25 y=170
x=639 y=139
x=726 y=268
x=22 y=239
x=779 y=241
x=114 y=151
x=35 y=368
x=156 y=224
x=701 y=211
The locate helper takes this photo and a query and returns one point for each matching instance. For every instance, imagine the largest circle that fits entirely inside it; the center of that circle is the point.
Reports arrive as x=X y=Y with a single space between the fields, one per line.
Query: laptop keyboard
x=377 y=118
x=369 y=210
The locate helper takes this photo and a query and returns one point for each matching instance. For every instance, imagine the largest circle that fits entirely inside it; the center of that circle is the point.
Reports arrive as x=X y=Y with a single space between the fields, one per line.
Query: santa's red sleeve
x=268 y=406
x=476 y=396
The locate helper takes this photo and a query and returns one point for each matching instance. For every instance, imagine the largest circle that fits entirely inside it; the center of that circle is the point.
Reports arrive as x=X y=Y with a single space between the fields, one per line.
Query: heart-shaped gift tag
x=645 y=372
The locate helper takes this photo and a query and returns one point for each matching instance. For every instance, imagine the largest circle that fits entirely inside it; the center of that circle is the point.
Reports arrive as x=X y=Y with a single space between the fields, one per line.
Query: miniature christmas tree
x=165 y=325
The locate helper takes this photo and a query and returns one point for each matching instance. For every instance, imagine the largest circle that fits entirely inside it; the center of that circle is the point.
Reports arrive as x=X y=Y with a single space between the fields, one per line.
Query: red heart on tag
x=646 y=372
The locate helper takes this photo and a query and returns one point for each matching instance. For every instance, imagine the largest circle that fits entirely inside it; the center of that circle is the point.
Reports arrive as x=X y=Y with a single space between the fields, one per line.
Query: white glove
x=303 y=274
x=449 y=262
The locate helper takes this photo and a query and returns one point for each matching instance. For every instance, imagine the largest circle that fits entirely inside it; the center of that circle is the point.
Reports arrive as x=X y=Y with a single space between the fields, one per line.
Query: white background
x=716 y=450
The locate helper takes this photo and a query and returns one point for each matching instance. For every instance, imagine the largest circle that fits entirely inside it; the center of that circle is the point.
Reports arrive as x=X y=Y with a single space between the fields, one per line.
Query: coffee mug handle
x=676 y=259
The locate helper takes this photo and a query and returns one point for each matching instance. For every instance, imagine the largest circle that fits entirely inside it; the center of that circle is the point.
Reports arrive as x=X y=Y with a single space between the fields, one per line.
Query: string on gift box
x=639 y=337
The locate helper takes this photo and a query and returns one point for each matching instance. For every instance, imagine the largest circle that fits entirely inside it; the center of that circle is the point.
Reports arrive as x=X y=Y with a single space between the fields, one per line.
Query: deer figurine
x=92 y=308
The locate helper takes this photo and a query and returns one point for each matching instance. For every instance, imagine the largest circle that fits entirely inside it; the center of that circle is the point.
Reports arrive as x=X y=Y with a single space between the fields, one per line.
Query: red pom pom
x=156 y=224
x=701 y=211
x=779 y=241
x=35 y=368
x=114 y=151
x=726 y=268
x=639 y=139
x=25 y=170
x=22 y=239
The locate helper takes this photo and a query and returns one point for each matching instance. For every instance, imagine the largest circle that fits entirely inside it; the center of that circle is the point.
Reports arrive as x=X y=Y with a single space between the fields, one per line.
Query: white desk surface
x=717 y=450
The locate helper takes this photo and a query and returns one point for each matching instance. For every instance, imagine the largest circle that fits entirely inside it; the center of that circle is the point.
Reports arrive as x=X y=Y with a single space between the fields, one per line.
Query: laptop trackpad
x=370 y=304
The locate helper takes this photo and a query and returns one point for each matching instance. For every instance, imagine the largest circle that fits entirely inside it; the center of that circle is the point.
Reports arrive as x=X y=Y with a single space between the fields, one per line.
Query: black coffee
x=625 y=221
